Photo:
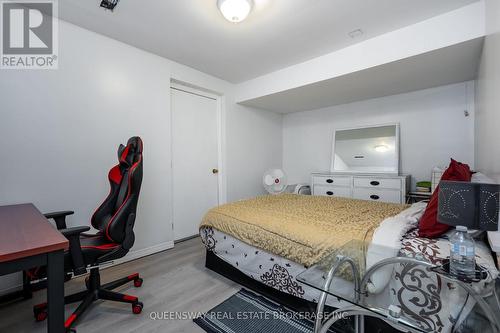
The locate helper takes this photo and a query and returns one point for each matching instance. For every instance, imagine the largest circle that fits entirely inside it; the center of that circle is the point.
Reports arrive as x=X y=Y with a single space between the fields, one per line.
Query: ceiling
x=277 y=34
x=453 y=64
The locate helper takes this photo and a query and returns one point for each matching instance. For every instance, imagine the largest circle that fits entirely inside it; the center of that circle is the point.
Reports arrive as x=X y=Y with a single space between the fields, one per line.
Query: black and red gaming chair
x=114 y=220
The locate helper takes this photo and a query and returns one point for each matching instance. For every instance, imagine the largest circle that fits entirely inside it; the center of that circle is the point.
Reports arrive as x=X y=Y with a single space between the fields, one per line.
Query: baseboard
x=132 y=255
x=10 y=290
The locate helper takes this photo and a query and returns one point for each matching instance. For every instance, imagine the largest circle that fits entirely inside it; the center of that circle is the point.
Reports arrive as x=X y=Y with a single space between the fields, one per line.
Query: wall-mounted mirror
x=373 y=149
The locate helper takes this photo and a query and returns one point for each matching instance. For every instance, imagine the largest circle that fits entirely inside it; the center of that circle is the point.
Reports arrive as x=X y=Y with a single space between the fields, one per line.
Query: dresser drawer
x=388 y=183
x=333 y=191
x=332 y=180
x=377 y=195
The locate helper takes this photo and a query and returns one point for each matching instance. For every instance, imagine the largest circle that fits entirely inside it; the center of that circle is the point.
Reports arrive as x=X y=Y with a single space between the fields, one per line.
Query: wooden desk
x=28 y=240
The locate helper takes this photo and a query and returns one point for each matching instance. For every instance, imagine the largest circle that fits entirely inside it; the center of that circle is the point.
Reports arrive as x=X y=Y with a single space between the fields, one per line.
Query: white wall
x=488 y=97
x=252 y=149
x=61 y=130
x=433 y=129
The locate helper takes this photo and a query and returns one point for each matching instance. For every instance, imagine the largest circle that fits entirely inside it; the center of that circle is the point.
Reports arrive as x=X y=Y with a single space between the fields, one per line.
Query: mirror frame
x=396 y=172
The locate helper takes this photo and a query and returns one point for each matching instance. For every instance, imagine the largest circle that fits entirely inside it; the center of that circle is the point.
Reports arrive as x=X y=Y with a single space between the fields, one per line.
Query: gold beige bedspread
x=302 y=228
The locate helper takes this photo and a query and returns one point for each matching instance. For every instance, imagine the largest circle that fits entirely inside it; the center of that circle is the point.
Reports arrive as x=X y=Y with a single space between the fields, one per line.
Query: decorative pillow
x=429 y=226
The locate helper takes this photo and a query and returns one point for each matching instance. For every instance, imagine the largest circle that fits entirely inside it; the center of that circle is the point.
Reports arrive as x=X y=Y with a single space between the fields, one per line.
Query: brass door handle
x=215 y=171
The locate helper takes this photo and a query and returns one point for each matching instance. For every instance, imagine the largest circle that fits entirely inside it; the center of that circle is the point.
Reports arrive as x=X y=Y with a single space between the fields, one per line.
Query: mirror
x=366 y=150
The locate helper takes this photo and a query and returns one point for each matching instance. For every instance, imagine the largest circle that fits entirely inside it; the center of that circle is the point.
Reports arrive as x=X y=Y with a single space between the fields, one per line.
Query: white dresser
x=375 y=187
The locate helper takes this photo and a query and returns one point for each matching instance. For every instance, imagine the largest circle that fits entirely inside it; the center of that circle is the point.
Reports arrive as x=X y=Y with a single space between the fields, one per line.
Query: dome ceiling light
x=381 y=148
x=235 y=10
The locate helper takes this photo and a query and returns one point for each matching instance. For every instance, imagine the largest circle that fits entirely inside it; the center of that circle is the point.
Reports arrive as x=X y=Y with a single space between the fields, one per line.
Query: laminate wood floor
x=174 y=280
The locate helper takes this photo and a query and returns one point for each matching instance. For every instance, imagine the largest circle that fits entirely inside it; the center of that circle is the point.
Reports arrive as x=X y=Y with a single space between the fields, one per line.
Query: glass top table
x=401 y=288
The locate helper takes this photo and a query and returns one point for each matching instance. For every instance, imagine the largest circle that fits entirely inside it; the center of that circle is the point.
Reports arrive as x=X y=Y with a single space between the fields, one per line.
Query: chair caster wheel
x=41 y=316
x=138 y=282
x=137 y=307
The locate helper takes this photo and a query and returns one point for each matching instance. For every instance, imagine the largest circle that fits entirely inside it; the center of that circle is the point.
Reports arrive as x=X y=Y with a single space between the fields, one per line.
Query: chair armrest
x=59 y=218
x=74 y=231
x=57 y=214
x=75 y=249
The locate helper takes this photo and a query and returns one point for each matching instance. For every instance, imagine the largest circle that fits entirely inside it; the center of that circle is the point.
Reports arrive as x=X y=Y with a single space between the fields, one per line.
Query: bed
x=272 y=239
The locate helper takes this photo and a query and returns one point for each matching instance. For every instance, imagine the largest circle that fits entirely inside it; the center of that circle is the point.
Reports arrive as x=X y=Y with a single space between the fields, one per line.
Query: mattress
x=302 y=228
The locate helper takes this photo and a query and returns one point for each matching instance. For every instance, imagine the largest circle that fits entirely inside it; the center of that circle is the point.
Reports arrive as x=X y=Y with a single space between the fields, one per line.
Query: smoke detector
x=356 y=33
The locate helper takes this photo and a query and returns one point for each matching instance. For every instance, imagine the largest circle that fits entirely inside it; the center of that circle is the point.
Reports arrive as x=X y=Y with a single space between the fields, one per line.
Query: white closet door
x=194 y=158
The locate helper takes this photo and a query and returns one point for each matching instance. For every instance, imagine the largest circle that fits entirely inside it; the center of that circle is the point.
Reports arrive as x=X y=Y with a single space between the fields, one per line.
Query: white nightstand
x=413 y=197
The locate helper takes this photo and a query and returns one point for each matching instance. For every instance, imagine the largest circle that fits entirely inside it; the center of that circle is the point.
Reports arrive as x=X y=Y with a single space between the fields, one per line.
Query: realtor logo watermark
x=29 y=34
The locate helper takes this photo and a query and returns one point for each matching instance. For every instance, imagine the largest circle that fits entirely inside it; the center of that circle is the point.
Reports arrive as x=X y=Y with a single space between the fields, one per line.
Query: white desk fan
x=275 y=181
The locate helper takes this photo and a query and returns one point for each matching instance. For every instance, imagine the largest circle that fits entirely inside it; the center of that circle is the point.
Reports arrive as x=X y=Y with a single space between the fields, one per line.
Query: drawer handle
x=374 y=197
x=374 y=183
x=329 y=193
x=329 y=181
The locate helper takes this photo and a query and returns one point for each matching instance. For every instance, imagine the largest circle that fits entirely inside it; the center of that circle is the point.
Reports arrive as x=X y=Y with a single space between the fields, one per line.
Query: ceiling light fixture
x=235 y=10
x=381 y=148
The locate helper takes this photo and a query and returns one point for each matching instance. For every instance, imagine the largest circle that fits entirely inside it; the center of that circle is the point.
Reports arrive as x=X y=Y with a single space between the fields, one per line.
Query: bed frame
x=220 y=266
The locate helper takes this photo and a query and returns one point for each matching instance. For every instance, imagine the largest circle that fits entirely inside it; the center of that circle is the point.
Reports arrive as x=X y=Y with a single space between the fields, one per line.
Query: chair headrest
x=129 y=154
x=136 y=142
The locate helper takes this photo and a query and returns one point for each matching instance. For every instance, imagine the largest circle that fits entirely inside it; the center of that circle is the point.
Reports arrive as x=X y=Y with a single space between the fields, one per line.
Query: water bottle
x=462 y=254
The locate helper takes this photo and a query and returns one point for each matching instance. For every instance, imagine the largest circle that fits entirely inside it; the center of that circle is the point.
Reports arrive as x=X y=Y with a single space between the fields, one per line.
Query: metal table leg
x=320 y=322
x=359 y=313
x=55 y=291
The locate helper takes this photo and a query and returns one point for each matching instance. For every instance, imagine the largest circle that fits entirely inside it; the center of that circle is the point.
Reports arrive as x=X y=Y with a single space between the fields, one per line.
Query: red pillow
x=429 y=226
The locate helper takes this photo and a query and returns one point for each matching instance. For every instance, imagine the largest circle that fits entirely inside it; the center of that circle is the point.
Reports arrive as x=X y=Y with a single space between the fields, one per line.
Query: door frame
x=221 y=158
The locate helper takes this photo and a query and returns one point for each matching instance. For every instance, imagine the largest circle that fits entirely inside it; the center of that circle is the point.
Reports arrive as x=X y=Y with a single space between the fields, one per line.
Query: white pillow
x=386 y=243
